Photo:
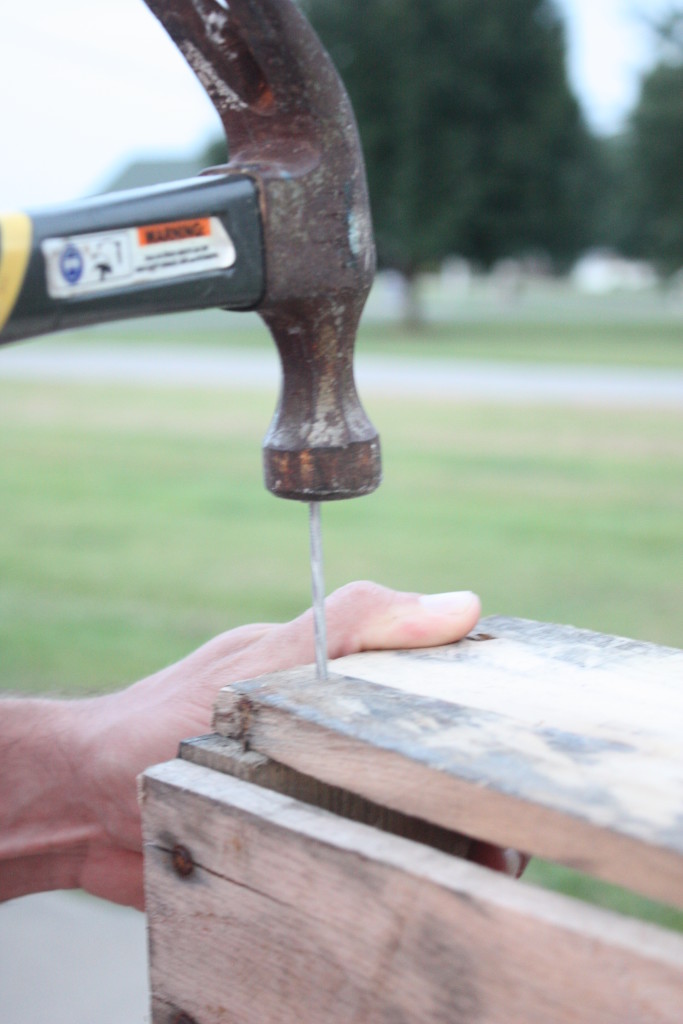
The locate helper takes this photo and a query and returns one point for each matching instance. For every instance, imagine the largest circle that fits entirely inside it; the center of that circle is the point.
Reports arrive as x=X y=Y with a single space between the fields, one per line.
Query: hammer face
x=290 y=127
x=320 y=446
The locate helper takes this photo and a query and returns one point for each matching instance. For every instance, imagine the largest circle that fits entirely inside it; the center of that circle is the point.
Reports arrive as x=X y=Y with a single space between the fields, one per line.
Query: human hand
x=69 y=815
x=129 y=730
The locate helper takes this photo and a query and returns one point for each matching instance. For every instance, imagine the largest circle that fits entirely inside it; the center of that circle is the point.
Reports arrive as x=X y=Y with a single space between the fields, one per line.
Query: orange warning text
x=175 y=231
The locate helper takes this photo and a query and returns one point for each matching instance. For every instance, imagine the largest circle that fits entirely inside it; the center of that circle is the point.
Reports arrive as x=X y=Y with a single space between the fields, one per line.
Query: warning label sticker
x=105 y=260
x=176 y=231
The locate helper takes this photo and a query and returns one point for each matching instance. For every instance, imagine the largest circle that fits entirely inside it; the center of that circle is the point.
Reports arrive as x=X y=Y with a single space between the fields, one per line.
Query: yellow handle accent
x=15 y=248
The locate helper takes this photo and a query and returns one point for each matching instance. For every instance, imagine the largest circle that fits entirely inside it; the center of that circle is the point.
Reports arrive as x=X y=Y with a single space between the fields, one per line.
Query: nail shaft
x=318 y=587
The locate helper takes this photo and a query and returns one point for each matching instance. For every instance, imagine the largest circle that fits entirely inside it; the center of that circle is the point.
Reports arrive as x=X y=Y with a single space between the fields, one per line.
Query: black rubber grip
x=158 y=215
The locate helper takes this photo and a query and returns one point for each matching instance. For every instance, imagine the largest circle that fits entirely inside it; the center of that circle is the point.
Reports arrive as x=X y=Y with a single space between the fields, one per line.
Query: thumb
x=359 y=617
x=366 y=617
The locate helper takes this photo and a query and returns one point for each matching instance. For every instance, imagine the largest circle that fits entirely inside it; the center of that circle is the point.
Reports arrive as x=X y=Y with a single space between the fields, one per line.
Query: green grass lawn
x=136 y=526
x=135 y=523
x=654 y=345
x=549 y=323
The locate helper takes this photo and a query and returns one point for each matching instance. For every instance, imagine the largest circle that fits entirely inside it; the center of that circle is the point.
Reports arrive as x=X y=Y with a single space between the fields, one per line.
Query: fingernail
x=454 y=603
x=513 y=862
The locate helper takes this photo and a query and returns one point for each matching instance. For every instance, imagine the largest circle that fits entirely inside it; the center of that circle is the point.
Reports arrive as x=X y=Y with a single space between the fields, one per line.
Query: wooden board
x=560 y=742
x=224 y=755
x=292 y=915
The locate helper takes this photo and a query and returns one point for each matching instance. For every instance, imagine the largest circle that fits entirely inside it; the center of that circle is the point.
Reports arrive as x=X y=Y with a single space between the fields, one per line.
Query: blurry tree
x=614 y=218
x=654 y=189
x=473 y=141
x=215 y=154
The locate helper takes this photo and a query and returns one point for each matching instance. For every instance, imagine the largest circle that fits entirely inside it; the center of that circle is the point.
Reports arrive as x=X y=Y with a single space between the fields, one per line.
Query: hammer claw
x=253 y=57
x=209 y=38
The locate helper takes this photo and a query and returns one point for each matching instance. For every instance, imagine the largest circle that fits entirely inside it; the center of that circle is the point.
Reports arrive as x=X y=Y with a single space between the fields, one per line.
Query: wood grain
x=294 y=916
x=564 y=743
x=228 y=756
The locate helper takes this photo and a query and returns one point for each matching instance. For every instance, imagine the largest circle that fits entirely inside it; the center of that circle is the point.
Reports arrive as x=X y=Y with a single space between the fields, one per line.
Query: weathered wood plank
x=294 y=916
x=224 y=755
x=563 y=743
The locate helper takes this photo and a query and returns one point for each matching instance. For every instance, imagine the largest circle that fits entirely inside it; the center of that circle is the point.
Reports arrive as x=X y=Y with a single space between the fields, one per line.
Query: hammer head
x=290 y=127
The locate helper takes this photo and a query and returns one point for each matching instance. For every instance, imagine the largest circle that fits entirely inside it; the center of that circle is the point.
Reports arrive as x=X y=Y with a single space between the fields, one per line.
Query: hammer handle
x=195 y=244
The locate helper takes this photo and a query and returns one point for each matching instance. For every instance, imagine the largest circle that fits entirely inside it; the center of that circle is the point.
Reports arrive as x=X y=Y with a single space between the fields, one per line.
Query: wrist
x=47 y=825
x=109 y=778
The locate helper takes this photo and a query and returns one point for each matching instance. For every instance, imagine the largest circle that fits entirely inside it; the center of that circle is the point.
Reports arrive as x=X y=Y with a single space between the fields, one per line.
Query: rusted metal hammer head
x=290 y=127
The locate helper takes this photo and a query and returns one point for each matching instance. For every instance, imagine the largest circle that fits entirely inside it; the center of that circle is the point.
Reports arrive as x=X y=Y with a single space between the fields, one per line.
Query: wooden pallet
x=304 y=863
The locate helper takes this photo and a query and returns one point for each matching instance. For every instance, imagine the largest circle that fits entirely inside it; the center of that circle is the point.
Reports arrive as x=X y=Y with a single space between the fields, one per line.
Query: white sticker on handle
x=106 y=260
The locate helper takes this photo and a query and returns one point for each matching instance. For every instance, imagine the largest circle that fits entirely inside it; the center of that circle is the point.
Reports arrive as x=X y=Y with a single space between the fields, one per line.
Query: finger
x=506 y=860
x=115 y=874
x=366 y=616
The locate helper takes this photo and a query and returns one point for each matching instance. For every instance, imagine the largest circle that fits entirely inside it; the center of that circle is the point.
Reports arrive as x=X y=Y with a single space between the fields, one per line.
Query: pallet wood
x=229 y=756
x=292 y=915
x=561 y=742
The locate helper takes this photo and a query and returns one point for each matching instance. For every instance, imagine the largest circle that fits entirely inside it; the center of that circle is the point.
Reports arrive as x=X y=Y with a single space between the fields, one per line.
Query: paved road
x=66 y=958
x=221 y=368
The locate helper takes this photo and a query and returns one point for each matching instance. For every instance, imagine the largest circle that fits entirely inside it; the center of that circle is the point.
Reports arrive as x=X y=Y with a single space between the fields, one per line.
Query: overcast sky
x=86 y=84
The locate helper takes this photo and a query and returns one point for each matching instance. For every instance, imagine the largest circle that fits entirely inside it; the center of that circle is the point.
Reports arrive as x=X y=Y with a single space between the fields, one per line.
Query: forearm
x=46 y=825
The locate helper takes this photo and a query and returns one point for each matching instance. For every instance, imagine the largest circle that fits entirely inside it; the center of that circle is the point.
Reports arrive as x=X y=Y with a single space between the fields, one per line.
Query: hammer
x=284 y=228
